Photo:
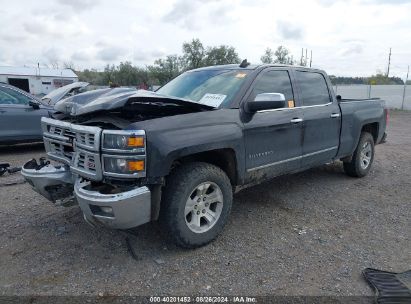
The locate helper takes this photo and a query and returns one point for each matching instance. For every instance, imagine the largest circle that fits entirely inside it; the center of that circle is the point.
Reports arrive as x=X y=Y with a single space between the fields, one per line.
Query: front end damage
x=79 y=178
x=83 y=140
x=114 y=207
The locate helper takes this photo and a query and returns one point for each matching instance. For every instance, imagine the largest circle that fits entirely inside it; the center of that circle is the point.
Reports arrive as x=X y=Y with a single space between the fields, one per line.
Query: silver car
x=20 y=115
x=66 y=91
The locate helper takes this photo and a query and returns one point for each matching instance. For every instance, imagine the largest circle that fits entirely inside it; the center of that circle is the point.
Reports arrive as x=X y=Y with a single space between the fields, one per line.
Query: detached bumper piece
x=390 y=287
x=113 y=207
x=53 y=182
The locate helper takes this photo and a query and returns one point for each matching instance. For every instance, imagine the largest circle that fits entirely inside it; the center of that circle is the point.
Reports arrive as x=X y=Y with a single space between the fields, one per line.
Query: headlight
x=124 y=141
x=124 y=166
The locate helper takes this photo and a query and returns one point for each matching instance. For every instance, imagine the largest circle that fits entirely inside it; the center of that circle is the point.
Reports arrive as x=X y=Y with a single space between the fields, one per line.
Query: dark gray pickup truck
x=178 y=154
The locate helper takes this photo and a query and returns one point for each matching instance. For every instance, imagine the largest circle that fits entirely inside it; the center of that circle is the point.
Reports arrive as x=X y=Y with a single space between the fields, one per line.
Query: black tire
x=180 y=185
x=356 y=167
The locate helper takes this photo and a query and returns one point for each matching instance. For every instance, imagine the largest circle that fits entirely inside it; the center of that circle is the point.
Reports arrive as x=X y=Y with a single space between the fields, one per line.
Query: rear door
x=18 y=120
x=322 y=119
x=273 y=137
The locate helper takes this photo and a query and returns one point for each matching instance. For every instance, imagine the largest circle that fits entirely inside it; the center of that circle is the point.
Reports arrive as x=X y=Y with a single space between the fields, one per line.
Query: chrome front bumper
x=119 y=210
x=116 y=208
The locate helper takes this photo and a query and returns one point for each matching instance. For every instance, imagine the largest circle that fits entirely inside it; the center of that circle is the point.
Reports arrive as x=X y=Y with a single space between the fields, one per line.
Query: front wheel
x=362 y=158
x=196 y=204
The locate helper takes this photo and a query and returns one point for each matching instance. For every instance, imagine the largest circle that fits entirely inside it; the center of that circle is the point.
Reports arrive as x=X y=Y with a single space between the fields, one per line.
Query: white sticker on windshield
x=213 y=100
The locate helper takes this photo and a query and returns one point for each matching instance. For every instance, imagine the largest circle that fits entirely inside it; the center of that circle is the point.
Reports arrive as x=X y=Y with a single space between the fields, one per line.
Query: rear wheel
x=362 y=158
x=196 y=203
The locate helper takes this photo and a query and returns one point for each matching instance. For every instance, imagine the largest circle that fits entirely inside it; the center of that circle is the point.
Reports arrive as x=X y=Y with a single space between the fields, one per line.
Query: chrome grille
x=75 y=145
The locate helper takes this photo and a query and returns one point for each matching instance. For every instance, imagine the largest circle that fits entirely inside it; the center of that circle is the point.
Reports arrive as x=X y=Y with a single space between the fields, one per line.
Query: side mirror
x=266 y=101
x=34 y=104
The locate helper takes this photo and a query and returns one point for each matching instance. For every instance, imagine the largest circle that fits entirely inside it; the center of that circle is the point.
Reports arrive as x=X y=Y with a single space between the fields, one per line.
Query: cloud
x=353 y=49
x=328 y=3
x=390 y=2
x=182 y=13
x=13 y=38
x=81 y=55
x=289 y=30
x=80 y=5
x=110 y=53
x=42 y=26
x=52 y=54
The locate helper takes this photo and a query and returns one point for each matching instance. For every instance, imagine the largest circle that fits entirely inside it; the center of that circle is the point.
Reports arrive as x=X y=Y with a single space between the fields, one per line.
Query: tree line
x=378 y=78
x=195 y=55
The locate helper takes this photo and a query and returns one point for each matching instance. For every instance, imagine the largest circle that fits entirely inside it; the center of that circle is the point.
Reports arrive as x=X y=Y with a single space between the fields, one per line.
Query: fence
x=394 y=95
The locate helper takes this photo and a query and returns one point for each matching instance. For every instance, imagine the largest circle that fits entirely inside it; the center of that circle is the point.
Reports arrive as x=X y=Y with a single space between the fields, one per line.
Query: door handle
x=296 y=120
x=335 y=115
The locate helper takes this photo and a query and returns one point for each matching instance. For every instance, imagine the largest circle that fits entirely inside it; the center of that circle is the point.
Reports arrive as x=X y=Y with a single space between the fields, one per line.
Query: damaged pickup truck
x=176 y=155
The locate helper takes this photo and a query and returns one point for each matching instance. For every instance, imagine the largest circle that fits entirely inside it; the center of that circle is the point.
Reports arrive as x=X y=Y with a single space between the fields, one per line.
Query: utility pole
x=405 y=86
x=389 y=63
x=306 y=57
x=302 y=56
x=311 y=57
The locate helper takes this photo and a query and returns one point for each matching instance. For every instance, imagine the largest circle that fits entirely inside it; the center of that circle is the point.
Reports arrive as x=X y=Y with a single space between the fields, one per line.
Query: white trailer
x=37 y=81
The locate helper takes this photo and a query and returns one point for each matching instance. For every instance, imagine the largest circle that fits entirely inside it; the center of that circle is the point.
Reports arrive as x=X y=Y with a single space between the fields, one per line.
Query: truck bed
x=355 y=114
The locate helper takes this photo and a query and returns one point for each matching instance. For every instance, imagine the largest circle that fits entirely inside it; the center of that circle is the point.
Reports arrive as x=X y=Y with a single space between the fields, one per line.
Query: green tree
x=193 y=54
x=222 y=54
x=109 y=74
x=283 y=56
x=165 y=69
x=268 y=56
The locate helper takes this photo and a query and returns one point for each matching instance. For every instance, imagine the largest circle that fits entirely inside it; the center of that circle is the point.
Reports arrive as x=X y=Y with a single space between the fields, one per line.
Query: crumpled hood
x=110 y=99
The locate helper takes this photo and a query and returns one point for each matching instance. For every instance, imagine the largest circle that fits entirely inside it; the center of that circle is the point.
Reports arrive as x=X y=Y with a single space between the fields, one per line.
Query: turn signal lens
x=135 y=141
x=136 y=165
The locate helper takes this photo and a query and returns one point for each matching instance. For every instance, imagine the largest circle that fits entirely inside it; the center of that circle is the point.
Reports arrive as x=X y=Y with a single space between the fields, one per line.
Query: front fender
x=169 y=145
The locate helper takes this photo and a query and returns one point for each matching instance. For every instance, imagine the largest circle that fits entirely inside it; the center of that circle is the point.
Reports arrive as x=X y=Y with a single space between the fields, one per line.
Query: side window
x=274 y=82
x=9 y=96
x=6 y=98
x=313 y=87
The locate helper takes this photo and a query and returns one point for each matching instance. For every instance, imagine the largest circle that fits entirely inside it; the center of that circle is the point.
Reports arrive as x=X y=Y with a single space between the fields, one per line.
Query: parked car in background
x=20 y=115
x=63 y=92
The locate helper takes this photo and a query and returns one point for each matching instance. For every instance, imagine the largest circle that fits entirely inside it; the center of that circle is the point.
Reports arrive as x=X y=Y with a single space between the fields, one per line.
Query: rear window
x=313 y=88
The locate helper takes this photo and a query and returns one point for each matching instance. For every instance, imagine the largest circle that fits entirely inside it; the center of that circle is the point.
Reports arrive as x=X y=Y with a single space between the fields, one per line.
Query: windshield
x=210 y=87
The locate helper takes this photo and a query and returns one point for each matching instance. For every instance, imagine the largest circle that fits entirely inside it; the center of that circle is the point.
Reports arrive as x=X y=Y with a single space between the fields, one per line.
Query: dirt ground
x=306 y=234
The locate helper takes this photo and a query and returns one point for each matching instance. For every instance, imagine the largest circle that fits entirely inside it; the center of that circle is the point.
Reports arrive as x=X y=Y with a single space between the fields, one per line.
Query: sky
x=347 y=37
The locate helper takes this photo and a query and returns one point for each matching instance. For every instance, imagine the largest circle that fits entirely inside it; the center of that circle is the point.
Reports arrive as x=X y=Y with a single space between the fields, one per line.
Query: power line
x=311 y=57
x=405 y=86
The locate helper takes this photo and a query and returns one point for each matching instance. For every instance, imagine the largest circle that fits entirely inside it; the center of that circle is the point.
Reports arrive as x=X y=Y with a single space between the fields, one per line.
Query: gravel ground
x=306 y=234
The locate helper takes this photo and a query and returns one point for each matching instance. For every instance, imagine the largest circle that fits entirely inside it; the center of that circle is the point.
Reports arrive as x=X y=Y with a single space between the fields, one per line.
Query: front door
x=273 y=137
x=18 y=120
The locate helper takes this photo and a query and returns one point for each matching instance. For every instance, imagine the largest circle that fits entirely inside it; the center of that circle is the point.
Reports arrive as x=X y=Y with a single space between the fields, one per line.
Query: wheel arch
x=372 y=128
x=224 y=158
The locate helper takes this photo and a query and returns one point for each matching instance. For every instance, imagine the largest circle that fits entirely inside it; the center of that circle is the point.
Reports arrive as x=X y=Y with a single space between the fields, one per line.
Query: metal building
x=37 y=81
